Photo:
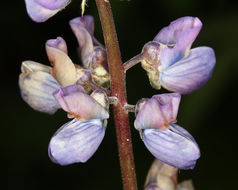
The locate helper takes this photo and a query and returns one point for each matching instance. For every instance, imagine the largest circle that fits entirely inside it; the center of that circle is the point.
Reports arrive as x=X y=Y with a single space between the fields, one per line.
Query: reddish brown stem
x=118 y=89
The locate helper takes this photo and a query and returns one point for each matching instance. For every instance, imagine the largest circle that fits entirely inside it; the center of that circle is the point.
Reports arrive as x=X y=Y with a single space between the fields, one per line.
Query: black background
x=209 y=114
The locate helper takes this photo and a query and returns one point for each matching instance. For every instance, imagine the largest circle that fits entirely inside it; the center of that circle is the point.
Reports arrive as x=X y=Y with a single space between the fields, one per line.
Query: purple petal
x=158 y=112
x=52 y=4
x=180 y=35
x=82 y=26
x=76 y=141
x=174 y=146
x=170 y=35
x=63 y=68
x=76 y=102
x=41 y=10
x=190 y=73
x=37 y=90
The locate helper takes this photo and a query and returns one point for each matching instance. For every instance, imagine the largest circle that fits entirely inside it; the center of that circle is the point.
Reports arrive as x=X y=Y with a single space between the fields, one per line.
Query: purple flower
x=42 y=10
x=93 y=54
x=167 y=141
x=78 y=140
x=171 y=63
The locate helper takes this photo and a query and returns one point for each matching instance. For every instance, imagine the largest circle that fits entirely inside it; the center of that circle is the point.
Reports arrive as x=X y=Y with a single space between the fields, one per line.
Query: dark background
x=209 y=114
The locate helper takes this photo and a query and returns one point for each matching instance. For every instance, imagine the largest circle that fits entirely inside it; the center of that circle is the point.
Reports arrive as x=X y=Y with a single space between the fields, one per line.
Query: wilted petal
x=76 y=102
x=158 y=112
x=76 y=141
x=37 y=90
x=190 y=73
x=32 y=66
x=101 y=98
x=161 y=177
x=174 y=146
x=41 y=10
x=99 y=67
x=185 y=185
x=83 y=28
x=63 y=68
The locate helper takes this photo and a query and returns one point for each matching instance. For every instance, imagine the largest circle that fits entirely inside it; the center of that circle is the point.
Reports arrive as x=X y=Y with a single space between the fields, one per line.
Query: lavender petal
x=76 y=141
x=190 y=73
x=42 y=10
x=172 y=147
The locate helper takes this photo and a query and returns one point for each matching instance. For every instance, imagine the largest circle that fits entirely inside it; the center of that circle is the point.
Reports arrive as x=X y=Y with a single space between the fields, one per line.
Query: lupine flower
x=166 y=140
x=42 y=10
x=171 y=63
x=77 y=140
x=38 y=82
x=92 y=52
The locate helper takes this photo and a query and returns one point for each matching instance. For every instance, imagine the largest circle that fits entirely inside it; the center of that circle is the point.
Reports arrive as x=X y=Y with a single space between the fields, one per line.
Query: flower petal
x=158 y=112
x=76 y=102
x=41 y=10
x=161 y=177
x=76 y=141
x=83 y=28
x=63 y=68
x=174 y=146
x=31 y=66
x=190 y=73
x=177 y=31
x=180 y=35
x=37 y=90
x=185 y=185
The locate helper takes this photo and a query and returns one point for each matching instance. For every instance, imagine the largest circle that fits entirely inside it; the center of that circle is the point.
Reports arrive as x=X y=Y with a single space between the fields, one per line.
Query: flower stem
x=132 y=62
x=118 y=90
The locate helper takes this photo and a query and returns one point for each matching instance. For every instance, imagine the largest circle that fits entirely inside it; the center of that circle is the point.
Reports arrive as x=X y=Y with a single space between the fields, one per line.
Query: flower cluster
x=83 y=90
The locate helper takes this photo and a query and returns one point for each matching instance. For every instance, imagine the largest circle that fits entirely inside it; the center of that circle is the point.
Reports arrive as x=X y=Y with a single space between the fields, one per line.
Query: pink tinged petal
x=76 y=102
x=80 y=29
x=173 y=146
x=63 y=68
x=158 y=112
x=42 y=10
x=32 y=66
x=190 y=73
x=169 y=105
x=76 y=141
x=37 y=89
x=58 y=43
